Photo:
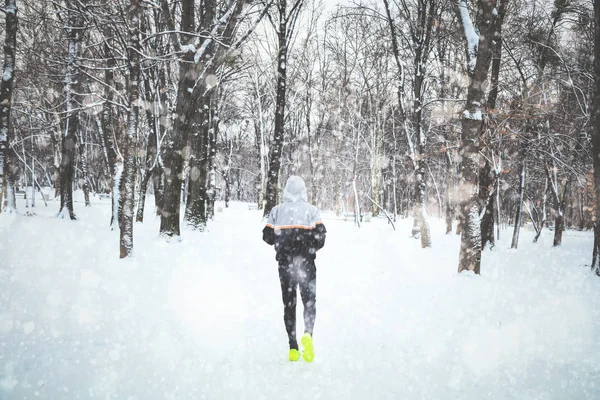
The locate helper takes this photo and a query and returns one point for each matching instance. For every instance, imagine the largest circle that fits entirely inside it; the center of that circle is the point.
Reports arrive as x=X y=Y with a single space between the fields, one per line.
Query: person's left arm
x=319 y=232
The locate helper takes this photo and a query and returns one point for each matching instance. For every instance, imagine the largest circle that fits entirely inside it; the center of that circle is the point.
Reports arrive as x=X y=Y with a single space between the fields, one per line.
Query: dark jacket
x=295 y=227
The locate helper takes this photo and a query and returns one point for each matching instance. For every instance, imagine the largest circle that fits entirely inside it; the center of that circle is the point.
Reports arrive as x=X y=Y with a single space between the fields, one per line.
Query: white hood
x=295 y=190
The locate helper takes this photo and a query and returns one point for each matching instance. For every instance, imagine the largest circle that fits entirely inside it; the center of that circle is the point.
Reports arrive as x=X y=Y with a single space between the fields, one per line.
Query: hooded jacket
x=295 y=227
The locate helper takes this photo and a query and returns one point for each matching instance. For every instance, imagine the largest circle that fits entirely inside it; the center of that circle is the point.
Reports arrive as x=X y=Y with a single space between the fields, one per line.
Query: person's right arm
x=269 y=229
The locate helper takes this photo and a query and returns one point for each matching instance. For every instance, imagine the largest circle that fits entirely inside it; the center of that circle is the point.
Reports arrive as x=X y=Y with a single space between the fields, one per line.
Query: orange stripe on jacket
x=295 y=226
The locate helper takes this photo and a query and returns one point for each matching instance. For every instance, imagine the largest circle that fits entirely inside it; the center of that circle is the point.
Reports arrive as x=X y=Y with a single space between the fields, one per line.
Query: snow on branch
x=222 y=21
x=470 y=35
x=11 y=8
x=253 y=26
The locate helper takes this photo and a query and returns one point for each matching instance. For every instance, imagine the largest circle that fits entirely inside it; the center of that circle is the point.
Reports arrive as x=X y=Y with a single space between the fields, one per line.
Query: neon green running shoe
x=294 y=355
x=309 y=351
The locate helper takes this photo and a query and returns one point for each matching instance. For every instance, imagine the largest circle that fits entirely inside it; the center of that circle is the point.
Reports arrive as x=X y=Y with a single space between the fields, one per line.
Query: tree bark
x=151 y=149
x=472 y=124
x=195 y=210
x=129 y=139
x=193 y=69
x=84 y=169
x=139 y=216
x=109 y=131
x=185 y=109
x=6 y=95
x=519 y=211
x=69 y=139
x=559 y=223
x=486 y=195
x=211 y=190
x=543 y=212
x=420 y=205
x=421 y=43
x=272 y=193
x=450 y=190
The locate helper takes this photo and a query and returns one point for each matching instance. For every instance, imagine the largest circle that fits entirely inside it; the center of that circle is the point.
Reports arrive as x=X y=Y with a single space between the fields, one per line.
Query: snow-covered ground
x=202 y=318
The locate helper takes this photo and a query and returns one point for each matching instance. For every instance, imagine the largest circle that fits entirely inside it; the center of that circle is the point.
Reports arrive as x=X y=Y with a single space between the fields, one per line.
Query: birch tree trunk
x=109 y=131
x=6 y=94
x=376 y=176
x=130 y=138
x=421 y=42
x=84 y=169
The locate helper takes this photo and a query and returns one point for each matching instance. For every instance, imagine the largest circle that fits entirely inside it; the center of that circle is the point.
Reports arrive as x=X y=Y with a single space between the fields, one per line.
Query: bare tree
x=74 y=28
x=479 y=56
x=129 y=138
x=287 y=19
x=596 y=138
x=6 y=95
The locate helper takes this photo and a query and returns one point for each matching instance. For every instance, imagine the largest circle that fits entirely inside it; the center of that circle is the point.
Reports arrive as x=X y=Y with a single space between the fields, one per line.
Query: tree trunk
x=129 y=143
x=27 y=198
x=211 y=190
x=227 y=179
x=472 y=128
x=151 y=149
x=581 y=208
x=142 y=197
x=10 y=203
x=6 y=95
x=185 y=109
x=377 y=172
x=519 y=211
x=357 y=218
x=226 y=171
x=69 y=139
x=158 y=184
x=497 y=208
x=559 y=224
x=109 y=131
x=543 y=212
x=56 y=136
x=420 y=205
x=421 y=48
x=449 y=192
x=195 y=210
x=33 y=180
x=158 y=176
x=84 y=169
x=272 y=194
x=486 y=195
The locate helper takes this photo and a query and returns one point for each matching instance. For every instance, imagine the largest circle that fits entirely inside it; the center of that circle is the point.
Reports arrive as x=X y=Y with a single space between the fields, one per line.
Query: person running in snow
x=296 y=231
